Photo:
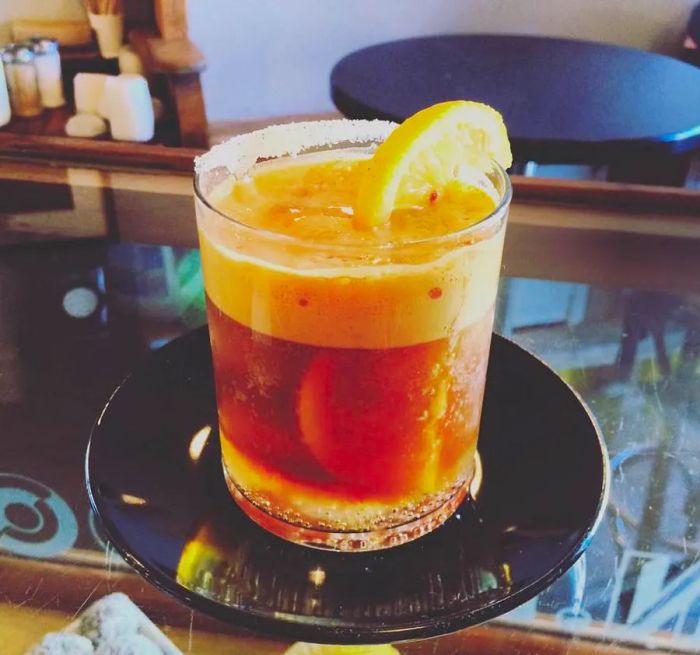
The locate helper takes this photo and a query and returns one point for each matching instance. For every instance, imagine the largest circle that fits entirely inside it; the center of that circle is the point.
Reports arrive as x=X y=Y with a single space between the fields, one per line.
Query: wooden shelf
x=94 y=152
x=172 y=64
x=52 y=123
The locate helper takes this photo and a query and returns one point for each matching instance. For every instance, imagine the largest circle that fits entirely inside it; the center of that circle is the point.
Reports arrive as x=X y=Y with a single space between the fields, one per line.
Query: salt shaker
x=47 y=62
x=5 y=111
x=22 y=80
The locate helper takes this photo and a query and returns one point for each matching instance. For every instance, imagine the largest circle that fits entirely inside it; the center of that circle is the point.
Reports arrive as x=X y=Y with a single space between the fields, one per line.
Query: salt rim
x=239 y=153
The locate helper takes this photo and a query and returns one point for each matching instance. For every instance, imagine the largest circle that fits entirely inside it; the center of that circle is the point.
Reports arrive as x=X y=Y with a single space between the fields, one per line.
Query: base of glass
x=359 y=541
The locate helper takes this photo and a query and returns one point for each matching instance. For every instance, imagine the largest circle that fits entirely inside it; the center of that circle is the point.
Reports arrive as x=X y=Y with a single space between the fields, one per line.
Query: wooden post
x=171 y=18
x=186 y=94
x=180 y=62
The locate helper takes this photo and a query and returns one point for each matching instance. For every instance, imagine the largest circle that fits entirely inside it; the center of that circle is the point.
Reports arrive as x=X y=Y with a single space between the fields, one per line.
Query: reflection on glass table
x=632 y=355
x=77 y=315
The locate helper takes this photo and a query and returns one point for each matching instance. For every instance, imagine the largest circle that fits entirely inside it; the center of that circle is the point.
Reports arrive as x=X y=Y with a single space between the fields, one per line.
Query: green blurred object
x=192 y=304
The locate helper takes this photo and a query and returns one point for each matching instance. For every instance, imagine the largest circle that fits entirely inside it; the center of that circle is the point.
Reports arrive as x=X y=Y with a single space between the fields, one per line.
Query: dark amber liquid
x=390 y=425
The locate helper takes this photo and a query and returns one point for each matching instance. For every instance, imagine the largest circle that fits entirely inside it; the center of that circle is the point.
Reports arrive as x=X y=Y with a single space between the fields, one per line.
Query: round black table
x=562 y=100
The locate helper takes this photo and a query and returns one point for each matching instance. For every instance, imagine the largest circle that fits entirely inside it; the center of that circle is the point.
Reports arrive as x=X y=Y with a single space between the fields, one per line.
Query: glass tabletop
x=98 y=266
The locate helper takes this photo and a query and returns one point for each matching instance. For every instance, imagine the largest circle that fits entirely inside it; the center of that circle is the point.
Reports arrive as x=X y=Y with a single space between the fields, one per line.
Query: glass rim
x=390 y=246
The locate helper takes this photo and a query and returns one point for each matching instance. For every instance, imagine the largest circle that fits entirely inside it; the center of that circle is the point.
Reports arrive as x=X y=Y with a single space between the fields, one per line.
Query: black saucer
x=544 y=491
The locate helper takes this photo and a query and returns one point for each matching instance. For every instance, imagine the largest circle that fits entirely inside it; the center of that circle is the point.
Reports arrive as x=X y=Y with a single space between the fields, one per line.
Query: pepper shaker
x=47 y=62
x=22 y=80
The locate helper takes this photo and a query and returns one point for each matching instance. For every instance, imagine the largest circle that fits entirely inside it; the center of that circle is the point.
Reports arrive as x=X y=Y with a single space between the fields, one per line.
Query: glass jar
x=22 y=80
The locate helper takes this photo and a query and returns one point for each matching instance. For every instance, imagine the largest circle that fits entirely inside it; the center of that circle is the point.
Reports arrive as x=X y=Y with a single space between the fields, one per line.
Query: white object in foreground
x=113 y=625
x=61 y=643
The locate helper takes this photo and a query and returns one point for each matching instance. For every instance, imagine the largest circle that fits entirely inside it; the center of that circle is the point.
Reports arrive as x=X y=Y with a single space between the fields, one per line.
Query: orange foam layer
x=378 y=307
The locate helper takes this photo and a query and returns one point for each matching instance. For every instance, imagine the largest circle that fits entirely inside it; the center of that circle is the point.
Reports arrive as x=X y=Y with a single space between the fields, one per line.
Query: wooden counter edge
x=631 y=197
x=36 y=584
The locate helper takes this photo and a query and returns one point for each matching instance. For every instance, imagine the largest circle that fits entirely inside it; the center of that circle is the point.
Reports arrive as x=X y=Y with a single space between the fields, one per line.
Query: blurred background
x=268 y=58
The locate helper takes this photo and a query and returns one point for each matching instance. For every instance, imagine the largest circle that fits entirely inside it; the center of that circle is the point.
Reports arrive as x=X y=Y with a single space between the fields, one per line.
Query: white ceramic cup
x=109 y=29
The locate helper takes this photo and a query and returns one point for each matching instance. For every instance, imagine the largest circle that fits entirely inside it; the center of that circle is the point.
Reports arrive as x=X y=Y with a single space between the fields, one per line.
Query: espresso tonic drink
x=349 y=355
